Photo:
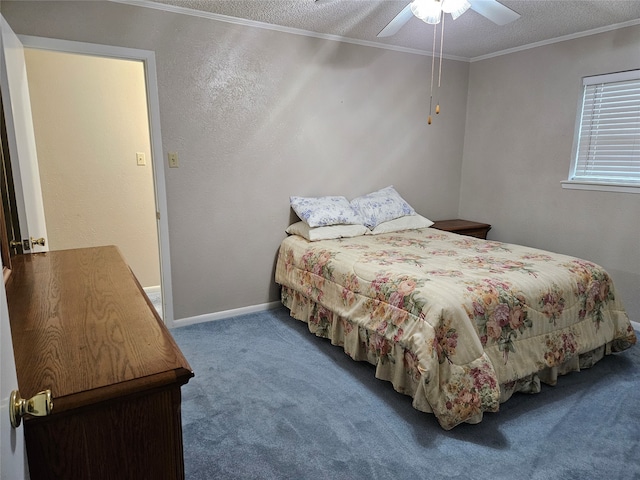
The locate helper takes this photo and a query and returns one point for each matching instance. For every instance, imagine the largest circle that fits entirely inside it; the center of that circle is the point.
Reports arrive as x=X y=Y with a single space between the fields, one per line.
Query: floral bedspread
x=456 y=322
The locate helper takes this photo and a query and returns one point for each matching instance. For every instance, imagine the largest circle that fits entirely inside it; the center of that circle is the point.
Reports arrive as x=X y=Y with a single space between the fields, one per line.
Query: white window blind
x=608 y=144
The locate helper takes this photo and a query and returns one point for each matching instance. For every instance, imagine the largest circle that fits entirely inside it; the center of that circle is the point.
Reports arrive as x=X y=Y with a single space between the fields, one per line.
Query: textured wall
x=256 y=116
x=518 y=146
x=90 y=119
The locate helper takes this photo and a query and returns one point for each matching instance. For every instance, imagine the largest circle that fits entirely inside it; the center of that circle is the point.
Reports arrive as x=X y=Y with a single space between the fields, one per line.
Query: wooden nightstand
x=463 y=227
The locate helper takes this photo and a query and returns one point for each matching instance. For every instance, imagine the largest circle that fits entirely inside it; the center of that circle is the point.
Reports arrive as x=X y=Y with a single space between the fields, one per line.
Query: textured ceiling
x=470 y=36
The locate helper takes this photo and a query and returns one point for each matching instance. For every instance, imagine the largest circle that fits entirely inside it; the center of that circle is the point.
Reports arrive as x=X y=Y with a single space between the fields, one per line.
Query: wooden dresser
x=463 y=227
x=83 y=328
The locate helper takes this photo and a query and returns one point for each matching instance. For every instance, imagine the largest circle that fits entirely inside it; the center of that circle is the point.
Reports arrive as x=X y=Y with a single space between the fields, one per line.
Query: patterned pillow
x=323 y=211
x=381 y=206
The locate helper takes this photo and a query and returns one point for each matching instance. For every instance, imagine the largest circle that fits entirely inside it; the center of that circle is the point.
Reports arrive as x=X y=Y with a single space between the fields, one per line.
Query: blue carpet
x=272 y=401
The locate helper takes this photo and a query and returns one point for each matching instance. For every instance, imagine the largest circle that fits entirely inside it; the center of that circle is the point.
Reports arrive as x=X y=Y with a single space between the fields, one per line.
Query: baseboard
x=152 y=290
x=636 y=326
x=236 y=312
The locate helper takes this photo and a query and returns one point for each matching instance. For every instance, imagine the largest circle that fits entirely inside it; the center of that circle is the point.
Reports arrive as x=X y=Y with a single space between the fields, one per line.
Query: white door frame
x=148 y=58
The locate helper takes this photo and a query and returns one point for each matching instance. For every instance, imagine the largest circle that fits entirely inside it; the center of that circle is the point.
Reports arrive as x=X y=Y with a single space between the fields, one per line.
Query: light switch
x=140 y=160
x=173 y=160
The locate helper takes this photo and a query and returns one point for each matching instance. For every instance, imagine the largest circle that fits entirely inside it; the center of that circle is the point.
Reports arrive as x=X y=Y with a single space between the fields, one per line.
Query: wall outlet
x=140 y=160
x=173 y=160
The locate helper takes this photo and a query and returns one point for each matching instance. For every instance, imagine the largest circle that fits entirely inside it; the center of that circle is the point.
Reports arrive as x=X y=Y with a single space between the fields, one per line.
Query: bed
x=458 y=323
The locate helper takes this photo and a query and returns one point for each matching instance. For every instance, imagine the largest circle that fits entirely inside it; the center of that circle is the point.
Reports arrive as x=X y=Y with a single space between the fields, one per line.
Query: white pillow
x=381 y=206
x=408 y=222
x=326 y=233
x=323 y=211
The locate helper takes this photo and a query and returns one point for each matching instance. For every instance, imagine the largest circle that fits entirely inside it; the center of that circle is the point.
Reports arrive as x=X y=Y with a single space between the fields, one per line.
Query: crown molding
x=278 y=28
x=366 y=43
x=551 y=41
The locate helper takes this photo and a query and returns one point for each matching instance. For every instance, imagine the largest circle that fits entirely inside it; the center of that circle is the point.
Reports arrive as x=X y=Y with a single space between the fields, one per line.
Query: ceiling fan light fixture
x=455 y=7
x=429 y=11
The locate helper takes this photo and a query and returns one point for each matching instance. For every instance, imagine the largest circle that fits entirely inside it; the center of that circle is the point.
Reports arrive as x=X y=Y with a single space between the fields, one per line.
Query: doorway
x=9 y=227
x=95 y=114
x=94 y=155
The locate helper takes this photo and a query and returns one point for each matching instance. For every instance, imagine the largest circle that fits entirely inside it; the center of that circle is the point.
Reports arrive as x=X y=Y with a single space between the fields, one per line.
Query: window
x=607 y=145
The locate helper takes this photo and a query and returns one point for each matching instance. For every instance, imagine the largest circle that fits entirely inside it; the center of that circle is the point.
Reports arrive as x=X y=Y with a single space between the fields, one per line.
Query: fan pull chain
x=433 y=67
x=440 y=69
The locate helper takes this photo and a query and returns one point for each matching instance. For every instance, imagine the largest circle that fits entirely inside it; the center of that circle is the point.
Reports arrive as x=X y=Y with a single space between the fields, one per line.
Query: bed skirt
x=397 y=365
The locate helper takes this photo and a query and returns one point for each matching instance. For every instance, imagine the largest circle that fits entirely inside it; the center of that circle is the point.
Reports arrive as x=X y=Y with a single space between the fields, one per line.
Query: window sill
x=602 y=187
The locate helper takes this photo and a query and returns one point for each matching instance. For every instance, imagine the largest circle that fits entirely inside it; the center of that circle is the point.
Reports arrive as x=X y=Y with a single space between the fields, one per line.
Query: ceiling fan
x=430 y=11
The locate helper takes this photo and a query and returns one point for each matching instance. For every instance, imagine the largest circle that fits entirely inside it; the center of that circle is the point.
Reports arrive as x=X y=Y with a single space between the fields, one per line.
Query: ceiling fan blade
x=397 y=23
x=494 y=11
